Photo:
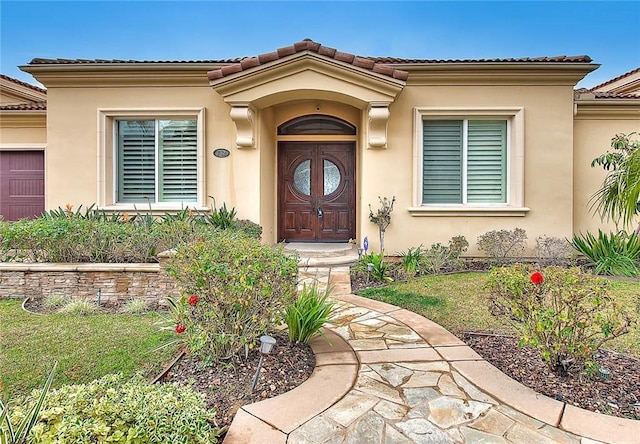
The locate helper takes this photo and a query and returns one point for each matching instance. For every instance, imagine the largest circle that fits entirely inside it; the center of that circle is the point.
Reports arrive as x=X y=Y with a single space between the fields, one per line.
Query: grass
x=87 y=347
x=458 y=303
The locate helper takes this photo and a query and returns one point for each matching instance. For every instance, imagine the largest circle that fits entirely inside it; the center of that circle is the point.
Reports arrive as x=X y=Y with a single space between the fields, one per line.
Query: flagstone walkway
x=387 y=375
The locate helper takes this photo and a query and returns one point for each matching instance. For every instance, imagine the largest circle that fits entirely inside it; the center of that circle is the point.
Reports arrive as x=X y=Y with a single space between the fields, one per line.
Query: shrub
x=63 y=235
x=56 y=300
x=242 y=289
x=135 y=306
x=503 y=245
x=308 y=313
x=565 y=313
x=614 y=254
x=249 y=228
x=552 y=250
x=15 y=427
x=112 y=409
x=379 y=269
x=439 y=256
x=382 y=217
x=80 y=307
x=222 y=218
x=411 y=259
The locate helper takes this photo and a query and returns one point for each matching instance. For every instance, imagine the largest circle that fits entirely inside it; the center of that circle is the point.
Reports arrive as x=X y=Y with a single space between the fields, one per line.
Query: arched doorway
x=316 y=181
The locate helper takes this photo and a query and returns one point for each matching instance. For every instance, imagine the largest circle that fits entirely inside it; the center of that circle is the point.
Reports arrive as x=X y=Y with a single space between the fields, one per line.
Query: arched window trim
x=316 y=124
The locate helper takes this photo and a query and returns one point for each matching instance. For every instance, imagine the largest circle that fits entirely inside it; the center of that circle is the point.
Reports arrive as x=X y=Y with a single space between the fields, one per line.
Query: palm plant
x=618 y=199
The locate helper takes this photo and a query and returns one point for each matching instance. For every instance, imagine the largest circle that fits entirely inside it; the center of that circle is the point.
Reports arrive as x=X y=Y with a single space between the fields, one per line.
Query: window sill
x=434 y=211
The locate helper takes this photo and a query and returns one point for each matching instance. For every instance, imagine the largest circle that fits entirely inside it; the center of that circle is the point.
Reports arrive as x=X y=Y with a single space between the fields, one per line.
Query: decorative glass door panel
x=316 y=191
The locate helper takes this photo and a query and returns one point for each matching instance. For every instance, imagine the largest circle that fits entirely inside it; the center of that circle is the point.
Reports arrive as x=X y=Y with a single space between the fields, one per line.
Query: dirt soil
x=617 y=396
x=228 y=387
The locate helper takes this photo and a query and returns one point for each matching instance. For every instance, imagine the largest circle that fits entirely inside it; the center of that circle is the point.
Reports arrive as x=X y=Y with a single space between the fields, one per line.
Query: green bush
x=565 y=313
x=249 y=228
x=438 y=257
x=614 y=254
x=379 y=269
x=80 y=307
x=502 y=246
x=411 y=260
x=242 y=288
x=55 y=300
x=308 y=313
x=15 y=427
x=63 y=235
x=113 y=409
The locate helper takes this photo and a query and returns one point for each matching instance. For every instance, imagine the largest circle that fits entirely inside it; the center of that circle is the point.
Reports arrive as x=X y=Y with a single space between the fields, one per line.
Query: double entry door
x=316 y=191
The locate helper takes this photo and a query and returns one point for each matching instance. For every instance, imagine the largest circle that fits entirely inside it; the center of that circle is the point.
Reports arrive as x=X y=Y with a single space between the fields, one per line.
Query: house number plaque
x=221 y=152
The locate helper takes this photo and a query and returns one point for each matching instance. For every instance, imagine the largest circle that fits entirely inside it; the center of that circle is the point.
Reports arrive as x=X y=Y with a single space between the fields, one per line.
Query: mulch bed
x=228 y=387
x=617 y=396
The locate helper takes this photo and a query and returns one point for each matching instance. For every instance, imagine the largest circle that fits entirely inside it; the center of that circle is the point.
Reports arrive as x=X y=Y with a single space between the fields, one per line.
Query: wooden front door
x=316 y=191
x=21 y=184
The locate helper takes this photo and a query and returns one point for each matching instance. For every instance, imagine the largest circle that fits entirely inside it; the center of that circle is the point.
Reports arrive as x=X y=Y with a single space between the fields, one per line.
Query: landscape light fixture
x=266 y=347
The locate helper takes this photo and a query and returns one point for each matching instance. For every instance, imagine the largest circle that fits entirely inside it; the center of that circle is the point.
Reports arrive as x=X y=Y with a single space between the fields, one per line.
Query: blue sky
x=607 y=31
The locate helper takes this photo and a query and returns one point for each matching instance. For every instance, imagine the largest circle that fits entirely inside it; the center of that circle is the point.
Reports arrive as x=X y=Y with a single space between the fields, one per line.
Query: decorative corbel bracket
x=243 y=117
x=378 y=118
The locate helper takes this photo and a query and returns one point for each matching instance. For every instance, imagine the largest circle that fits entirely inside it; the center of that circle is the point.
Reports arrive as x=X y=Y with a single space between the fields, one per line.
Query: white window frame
x=514 y=205
x=107 y=155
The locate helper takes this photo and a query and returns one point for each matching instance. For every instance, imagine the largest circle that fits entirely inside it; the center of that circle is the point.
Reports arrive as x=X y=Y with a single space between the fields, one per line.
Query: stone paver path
x=390 y=376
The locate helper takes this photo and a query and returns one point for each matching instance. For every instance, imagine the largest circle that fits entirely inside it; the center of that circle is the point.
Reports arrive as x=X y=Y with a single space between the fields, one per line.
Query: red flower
x=193 y=300
x=180 y=328
x=537 y=278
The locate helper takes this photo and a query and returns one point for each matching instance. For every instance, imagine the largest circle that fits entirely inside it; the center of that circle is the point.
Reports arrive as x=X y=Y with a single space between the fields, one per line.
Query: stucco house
x=303 y=139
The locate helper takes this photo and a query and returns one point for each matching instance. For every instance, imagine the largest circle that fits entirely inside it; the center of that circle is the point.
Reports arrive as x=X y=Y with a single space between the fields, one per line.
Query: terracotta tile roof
x=19 y=82
x=615 y=79
x=556 y=59
x=41 y=61
x=31 y=106
x=309 y=45
x=578 y=93
x=611 y=95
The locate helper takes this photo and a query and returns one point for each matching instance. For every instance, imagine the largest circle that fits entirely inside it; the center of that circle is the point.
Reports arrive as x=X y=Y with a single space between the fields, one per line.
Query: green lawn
x=86 y=347
x=458 y=303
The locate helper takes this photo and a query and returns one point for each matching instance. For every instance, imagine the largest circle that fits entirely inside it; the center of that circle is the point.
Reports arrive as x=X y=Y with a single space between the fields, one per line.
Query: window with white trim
x=156 y=160
x=464 y=161
x=468 y=162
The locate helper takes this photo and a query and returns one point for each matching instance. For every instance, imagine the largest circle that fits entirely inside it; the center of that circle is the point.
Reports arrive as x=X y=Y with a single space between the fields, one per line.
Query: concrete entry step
x=323 y=254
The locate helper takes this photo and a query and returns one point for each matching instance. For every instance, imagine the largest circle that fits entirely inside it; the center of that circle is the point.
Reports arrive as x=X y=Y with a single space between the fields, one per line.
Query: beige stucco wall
x=73 y=136
x=592 y=137
x=247 y=178
x=22 y=127
x=548 y=170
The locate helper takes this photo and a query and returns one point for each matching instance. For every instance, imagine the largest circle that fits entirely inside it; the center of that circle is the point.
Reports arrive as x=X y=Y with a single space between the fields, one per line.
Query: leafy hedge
x=233 y=289
x=113 y=409
x=66 y=236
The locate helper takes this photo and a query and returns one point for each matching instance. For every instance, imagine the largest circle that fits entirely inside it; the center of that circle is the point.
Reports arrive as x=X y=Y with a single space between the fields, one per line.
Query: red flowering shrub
x=537 y=278
x=233 y=290
x=565 y=313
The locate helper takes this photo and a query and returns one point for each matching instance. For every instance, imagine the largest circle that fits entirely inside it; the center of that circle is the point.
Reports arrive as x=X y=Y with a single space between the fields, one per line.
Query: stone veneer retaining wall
x=117 y=282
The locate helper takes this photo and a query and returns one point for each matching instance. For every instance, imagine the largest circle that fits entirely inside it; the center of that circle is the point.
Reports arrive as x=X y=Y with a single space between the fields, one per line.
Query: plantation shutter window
x=157 y=161
x=464 y=162
x=442 y=161
x=136 y=158
x=486 y=161
x=178 y=160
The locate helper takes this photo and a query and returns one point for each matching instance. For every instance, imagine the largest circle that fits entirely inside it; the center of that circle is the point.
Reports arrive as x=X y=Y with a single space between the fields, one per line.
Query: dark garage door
x=21 y=184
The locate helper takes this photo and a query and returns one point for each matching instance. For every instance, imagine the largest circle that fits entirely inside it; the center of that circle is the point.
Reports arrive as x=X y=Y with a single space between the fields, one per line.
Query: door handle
x=320 y=213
